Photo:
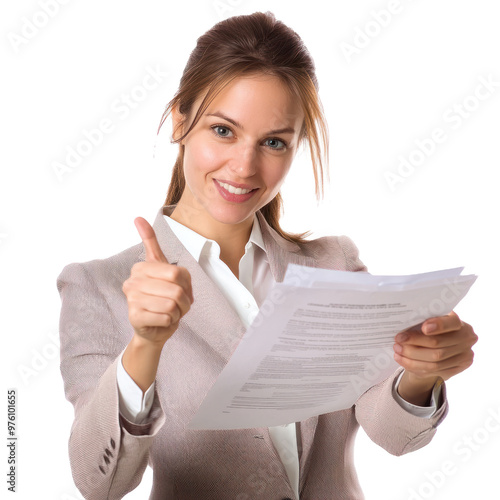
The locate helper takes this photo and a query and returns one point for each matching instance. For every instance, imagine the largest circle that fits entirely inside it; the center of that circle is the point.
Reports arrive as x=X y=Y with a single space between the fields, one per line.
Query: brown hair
x=242 y=45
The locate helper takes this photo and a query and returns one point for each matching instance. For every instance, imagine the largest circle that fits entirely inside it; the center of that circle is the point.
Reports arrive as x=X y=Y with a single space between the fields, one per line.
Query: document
x=321 y=339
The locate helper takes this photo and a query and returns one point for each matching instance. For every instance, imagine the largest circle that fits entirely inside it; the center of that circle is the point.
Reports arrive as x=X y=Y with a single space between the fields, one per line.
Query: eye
x=217 y=128
x=275 y=146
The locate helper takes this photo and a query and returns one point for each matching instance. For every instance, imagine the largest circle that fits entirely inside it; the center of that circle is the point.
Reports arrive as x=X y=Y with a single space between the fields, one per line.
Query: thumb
x=148 y=237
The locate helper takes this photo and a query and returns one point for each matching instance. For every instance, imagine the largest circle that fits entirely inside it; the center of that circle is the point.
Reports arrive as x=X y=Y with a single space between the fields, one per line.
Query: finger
x=441 y=324
x=418 y=353
x=163 y=297
x=148 y=237
x=163 y=276
x=444 y=368
x=150 y=320
x=446 y=339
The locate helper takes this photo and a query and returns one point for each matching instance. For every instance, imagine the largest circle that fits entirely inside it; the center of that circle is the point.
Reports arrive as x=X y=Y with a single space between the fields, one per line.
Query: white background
x=70 y=73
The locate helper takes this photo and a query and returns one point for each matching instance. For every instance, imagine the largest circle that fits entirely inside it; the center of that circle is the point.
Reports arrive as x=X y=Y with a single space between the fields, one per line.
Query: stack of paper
x=322 y=338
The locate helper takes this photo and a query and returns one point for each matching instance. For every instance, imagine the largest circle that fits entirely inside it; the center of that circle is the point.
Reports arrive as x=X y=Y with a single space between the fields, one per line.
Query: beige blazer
x=109 y=454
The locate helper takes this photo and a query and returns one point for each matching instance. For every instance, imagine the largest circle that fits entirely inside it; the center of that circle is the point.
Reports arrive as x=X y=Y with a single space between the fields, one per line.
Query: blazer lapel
x=281 y=252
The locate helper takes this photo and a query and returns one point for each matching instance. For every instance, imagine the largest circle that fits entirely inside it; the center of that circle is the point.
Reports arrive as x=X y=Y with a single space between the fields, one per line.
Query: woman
x=145 y=333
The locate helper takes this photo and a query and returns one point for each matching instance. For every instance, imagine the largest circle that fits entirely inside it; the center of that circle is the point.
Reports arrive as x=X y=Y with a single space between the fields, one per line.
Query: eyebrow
x=285 y=130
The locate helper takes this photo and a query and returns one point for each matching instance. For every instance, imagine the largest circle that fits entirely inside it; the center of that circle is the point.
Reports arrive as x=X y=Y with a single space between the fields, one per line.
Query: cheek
x=200 y=161
x=277 y=175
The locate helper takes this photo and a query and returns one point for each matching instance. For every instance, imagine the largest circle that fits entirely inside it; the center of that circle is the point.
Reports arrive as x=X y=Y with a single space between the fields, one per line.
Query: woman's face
x=247 y=138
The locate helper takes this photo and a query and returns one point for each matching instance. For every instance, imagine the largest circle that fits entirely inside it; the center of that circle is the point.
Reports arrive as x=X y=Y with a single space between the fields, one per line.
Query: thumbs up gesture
x=158 y=293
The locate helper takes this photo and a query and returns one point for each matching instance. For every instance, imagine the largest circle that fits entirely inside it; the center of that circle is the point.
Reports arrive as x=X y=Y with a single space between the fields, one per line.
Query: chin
x=232 y=215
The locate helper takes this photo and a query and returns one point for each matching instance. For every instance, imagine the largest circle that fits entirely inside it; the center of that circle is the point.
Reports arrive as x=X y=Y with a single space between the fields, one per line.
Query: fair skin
x=441 y=349
x=247 y=153
x=159 y=294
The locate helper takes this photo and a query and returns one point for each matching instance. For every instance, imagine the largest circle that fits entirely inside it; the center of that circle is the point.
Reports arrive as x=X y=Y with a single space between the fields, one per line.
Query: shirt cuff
x=134 y=406
x=418 y=411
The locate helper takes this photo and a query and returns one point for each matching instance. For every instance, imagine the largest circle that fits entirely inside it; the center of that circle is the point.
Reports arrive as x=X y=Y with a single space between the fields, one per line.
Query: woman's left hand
x=443 y=348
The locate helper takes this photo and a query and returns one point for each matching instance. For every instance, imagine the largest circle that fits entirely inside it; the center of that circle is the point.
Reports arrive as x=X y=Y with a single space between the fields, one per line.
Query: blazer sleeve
x=108 y=454
x=392 y=427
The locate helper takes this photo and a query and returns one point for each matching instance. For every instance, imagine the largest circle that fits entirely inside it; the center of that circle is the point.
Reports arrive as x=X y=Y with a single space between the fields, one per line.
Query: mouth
x=235 y=189
x=232 y=193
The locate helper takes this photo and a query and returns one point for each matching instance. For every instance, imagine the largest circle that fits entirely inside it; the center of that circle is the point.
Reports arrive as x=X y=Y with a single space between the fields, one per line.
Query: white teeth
x=234 y=190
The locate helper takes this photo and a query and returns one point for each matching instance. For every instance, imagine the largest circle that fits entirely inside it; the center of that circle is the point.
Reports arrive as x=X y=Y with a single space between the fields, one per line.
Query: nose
x=244 y=160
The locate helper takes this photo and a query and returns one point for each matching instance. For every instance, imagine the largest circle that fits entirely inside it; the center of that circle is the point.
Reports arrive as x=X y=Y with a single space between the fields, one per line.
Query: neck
x=231 y=238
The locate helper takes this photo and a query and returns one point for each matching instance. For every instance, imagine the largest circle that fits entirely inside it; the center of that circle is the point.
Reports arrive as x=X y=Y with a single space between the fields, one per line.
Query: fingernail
x=429 y=327
x=402 y=337
x=398 y=348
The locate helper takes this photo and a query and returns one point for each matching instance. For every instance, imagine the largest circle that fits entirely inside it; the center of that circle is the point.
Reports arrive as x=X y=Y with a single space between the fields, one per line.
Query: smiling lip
x=235 y=184
x=233 y=197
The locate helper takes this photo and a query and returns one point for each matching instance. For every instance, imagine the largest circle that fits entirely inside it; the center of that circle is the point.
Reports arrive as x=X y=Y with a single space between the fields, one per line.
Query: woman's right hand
x=158 y=293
